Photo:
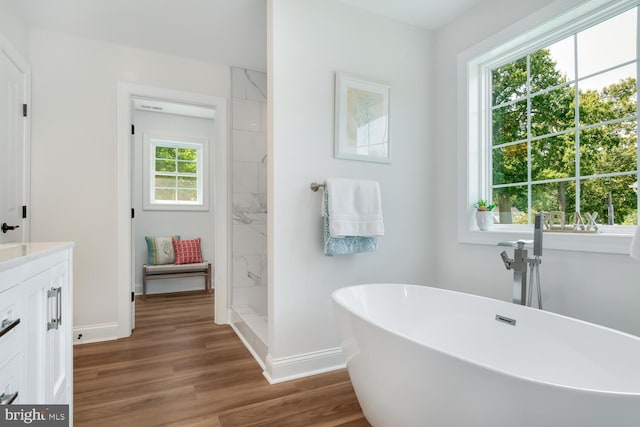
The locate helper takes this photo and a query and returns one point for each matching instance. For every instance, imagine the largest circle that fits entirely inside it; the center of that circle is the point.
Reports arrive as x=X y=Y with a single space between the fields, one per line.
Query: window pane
x=187 y=167
x=187 y=182
x=165 y=166
x=594 y=197
x=553 y=112
x=554 y=196
x=608 y=149
x=165 y=194
x=509 y=82
x=553 y=158
x=608 y=96
x=608 y=44
x=511 y=205
x=187 y=154
x=553 y=65
x=165 y=153
x=510 y=123
x=187 y=195
x=165 y=181
x=510 y=164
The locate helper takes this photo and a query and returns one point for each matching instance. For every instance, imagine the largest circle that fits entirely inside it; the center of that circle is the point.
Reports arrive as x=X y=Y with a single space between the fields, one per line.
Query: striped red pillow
x=187 y=251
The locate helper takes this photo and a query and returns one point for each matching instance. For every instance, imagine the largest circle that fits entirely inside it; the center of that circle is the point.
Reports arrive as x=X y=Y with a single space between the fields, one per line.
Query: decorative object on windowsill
x=635 y=245
x=556 y=221
x=484 y=214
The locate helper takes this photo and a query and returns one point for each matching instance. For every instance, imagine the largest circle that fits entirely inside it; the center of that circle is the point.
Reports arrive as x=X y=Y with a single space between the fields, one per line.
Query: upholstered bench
x=175 y=271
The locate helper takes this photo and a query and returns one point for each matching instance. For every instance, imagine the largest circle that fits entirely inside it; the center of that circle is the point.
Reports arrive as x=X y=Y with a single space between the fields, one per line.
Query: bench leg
x=144 y=283
x=207 y=279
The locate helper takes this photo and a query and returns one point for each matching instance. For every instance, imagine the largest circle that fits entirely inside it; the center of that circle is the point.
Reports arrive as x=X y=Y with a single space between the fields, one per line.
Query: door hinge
x=132 y=296
x=24 y=212
x=133 y=213
x=133 y=129
x=24 y=110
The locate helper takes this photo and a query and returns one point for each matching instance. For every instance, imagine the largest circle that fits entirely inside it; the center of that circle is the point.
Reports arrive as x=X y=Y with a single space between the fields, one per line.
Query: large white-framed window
x=550 y=115
x=175 y=173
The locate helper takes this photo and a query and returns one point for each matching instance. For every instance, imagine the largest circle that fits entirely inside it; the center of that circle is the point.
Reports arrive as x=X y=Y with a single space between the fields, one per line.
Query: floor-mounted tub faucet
x=521 y=293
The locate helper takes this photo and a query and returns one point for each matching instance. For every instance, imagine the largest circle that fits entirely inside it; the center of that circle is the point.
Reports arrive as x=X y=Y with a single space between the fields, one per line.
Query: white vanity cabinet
x=36 y=354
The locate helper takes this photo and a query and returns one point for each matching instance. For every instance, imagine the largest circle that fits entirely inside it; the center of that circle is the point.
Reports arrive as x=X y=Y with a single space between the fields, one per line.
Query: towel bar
x=315 y=186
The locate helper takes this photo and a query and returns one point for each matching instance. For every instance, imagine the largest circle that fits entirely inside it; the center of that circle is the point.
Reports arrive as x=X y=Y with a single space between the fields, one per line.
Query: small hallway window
x=174 y=176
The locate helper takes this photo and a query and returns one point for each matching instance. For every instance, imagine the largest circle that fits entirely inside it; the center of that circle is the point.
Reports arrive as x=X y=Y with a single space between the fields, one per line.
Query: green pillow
x=161 y=250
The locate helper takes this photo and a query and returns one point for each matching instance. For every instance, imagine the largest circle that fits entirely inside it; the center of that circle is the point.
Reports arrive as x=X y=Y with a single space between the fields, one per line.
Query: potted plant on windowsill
x=484 y=214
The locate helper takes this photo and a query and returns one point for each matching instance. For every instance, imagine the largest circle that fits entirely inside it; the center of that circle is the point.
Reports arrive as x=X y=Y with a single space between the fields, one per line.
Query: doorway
x=172 y=177
x=127 y=95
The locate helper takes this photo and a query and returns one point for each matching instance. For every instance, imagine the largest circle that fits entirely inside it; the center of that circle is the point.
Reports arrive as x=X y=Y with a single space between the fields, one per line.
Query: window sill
x=601 y=242
x=175 y=207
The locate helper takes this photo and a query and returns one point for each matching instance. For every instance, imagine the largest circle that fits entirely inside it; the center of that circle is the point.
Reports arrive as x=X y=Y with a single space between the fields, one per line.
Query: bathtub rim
x=482 y=365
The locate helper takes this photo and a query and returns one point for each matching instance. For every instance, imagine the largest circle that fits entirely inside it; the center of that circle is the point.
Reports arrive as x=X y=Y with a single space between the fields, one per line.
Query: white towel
x=355 y=207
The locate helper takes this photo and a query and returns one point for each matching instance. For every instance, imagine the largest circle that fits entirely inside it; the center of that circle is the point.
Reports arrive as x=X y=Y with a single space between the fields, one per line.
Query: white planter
x=484 y=220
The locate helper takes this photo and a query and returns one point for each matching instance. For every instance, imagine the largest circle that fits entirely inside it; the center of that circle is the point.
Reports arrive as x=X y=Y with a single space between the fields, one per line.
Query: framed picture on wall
x=362 y=119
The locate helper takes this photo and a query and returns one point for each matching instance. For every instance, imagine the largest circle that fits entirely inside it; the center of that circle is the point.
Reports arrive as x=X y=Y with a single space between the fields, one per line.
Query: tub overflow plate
x=506 y=320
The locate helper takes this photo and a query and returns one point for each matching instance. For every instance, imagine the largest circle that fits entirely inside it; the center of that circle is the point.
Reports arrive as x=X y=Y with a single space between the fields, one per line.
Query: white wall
x=600 y=288
x=308 y=42
x=14 y=29
x=186 y=224
x=74 y=151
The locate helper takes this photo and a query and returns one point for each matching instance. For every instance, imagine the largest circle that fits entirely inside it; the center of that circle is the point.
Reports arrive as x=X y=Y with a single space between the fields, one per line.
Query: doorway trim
x=127 y=91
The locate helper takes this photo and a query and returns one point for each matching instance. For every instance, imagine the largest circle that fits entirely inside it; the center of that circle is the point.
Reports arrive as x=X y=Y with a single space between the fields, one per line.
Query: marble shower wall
x=249 y=183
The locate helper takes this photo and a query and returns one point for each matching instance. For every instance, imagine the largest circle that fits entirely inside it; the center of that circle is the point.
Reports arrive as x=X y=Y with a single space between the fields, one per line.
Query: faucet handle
x=510 y=243
x=508 y=262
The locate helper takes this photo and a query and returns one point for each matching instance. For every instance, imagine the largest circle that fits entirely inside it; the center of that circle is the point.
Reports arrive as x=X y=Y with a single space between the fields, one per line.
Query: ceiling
x=427 y=14
x=223 y=31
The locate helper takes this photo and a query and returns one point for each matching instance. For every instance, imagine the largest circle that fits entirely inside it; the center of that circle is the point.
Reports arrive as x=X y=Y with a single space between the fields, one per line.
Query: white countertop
x=15 y=254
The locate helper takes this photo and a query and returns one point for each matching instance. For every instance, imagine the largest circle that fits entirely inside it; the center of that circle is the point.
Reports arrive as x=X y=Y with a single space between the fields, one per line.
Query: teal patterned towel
x=344 y=245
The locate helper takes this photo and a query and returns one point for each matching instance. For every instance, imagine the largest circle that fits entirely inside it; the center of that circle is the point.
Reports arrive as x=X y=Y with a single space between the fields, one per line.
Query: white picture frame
x=362 y=119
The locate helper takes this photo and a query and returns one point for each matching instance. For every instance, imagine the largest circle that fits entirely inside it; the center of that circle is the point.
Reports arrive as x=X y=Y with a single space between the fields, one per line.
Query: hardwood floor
x=180 y=369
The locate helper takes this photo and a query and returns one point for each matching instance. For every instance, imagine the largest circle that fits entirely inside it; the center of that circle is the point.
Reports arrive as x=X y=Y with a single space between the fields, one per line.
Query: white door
x=12 y=153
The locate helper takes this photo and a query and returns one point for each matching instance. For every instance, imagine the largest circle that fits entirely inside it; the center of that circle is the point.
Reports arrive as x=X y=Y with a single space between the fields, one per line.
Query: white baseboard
x=95 y=333
x=303 y=365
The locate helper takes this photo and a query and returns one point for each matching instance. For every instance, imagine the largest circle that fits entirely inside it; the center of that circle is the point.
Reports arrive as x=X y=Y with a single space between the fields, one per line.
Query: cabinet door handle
x=59 y=306
x=56 y=319
x=8 y=325
x=53 y=323
x=7 y=399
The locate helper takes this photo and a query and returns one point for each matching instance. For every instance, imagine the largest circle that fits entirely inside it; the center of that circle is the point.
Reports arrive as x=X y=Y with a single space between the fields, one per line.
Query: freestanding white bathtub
x=421 y=356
